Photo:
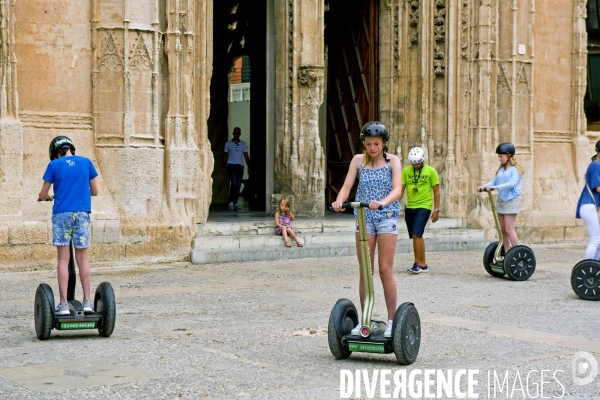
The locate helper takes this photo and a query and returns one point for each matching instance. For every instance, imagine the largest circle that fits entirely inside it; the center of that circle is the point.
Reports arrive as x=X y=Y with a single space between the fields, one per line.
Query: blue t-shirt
x=592 y=178
x=71 y=178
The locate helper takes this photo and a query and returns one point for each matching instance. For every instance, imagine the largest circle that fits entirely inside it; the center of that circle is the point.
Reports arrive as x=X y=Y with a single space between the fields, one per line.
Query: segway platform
x=375 y=343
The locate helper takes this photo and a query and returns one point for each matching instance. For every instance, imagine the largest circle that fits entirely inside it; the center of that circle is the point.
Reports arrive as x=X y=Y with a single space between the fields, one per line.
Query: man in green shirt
x=422 y=186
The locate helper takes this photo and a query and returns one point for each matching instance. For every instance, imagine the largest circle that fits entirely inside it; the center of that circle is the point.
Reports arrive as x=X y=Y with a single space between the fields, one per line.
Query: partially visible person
x=234 y=154
x=379 y=180
x=422 y=186
x=508 y=183
x=74 y=180
x=587 y=206
x=283 y=225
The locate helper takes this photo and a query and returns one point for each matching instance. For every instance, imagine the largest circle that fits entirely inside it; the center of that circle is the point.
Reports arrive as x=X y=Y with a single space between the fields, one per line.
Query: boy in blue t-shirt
x=74 y=183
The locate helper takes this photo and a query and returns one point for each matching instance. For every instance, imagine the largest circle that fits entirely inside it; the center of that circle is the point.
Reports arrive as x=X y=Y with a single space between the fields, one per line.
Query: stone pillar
x=203 y=55
x=11 y=127
x=299 y=156
x=187 y=181
x=581 y=144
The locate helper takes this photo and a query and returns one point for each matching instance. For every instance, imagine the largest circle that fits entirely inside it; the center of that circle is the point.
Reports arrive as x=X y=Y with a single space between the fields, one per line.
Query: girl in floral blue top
x=379 y=182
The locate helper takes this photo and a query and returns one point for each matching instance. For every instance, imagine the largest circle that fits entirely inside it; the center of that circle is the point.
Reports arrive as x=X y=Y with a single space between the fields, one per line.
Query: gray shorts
x=386 y=225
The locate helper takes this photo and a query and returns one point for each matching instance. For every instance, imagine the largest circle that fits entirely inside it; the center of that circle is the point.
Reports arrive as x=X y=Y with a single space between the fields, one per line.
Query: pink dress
x=284 y=220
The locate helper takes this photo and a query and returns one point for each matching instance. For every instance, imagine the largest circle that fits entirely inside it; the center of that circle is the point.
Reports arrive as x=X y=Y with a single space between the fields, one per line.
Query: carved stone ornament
x=307 y=76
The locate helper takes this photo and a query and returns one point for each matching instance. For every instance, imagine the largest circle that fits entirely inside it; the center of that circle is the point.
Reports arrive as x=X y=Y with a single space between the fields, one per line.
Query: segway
x=518 y=263
x=406 y=328
x=102 y=319
x=585 y=279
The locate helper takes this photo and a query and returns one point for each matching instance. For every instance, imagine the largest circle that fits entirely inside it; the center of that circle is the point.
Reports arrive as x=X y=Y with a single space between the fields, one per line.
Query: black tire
x=43 y=314
x=585 y=279
x=519 y=263
x=105 y=305
x=488 y=258
x=406 y=333
x=342 y=320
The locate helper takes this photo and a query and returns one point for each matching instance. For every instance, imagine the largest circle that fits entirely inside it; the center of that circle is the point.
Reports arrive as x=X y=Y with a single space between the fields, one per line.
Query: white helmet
x=416 y=155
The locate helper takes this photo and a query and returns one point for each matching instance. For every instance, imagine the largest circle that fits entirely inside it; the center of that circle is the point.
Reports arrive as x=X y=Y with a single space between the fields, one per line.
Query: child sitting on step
x=283 y=218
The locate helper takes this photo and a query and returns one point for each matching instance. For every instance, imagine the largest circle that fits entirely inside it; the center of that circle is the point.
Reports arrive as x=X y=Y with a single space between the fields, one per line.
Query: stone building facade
x=135 y=84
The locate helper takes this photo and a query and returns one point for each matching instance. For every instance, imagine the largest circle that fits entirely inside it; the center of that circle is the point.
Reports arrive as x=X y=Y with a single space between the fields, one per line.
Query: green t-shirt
x=422 y=180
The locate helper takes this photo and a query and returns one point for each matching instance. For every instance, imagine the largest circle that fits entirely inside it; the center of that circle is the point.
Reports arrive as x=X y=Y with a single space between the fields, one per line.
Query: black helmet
x=60 y=144
x=506 y=148
x=374 y=129
x=597 y=146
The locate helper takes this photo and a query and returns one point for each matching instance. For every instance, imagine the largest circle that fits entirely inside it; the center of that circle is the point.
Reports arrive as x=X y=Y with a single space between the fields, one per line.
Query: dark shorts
x=416 y=219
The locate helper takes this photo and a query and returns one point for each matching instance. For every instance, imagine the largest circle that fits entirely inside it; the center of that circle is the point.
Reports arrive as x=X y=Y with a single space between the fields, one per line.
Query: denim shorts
x=75 y=225
x=416 y=219
x=386 y=225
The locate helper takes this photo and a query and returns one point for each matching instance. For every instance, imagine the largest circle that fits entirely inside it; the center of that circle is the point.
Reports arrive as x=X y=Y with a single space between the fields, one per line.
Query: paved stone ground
x=258 y=330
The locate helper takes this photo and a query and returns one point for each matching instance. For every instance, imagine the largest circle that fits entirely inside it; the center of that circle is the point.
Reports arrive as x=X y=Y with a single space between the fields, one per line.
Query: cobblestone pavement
x=259 y=330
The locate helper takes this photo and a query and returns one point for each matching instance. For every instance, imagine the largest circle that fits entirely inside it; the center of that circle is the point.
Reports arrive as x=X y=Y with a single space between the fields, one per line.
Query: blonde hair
x=286 y=203
x=514 y=162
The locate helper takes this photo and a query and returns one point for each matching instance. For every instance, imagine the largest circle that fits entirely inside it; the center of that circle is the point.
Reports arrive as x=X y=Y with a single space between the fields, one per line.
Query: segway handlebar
x=483 y=190
x=355 y=204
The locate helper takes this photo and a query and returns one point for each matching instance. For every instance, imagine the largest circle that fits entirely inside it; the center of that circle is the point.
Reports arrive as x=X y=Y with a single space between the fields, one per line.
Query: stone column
x=299 y=156
x=187 y=181
x=581 y=144
x=11 y=127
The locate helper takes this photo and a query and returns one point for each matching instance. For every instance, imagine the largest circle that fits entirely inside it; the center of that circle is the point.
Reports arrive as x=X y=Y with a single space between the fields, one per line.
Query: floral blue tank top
x=376 y=184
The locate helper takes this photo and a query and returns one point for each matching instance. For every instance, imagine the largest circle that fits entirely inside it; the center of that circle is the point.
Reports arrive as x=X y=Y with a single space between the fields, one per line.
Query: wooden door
x=352 y=38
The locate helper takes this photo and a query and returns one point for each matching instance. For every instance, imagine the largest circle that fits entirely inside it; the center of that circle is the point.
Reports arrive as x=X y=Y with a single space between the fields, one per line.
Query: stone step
x=223 y=255
x=256 y=241
x=266 y=225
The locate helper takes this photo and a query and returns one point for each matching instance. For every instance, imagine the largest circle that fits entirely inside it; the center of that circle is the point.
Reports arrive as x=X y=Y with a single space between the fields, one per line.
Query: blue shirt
x=508 y=182
x=592 y=178
x=71 y=178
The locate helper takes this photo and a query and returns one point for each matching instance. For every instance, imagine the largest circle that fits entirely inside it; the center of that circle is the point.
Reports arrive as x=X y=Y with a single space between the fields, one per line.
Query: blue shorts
x=69 y=225
x=416 y=219
x=386 y=225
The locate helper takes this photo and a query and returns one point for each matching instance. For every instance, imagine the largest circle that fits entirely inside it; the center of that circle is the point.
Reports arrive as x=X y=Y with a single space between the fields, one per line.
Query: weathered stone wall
x=129 y=82
x=122 y=79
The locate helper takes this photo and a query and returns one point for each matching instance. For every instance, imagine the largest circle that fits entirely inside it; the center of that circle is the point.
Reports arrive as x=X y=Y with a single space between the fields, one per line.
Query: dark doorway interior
x=591 y=102
x=352 y=39
x=239 y=29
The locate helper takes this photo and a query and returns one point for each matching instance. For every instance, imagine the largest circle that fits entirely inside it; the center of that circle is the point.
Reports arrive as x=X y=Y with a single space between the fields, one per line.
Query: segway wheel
x=488 y=258
x=406 y=333
x=519 y=263
x=105 y=305
x=43 y=314
x=585 y=279
x=342 y=320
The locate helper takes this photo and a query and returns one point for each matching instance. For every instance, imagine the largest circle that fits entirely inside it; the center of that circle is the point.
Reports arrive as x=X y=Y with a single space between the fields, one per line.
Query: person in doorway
x=508 y=183
x=283 y=222
x=74 y=180
x=379 y=179
x=234 y=154
x=587 y=206
x=422 y=186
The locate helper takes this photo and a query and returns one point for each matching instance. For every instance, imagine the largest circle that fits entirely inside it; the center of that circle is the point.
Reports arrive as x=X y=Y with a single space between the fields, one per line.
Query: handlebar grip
x=363 y=204
x=483 y=190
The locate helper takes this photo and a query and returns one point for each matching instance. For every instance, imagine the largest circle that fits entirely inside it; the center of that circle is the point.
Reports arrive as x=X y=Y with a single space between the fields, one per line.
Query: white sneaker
x=356 y=331
x=388 y=329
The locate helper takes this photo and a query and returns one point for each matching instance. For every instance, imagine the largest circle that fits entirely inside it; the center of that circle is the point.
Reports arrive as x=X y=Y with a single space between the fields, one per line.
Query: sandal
x=287 y=244
x=300 y=244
